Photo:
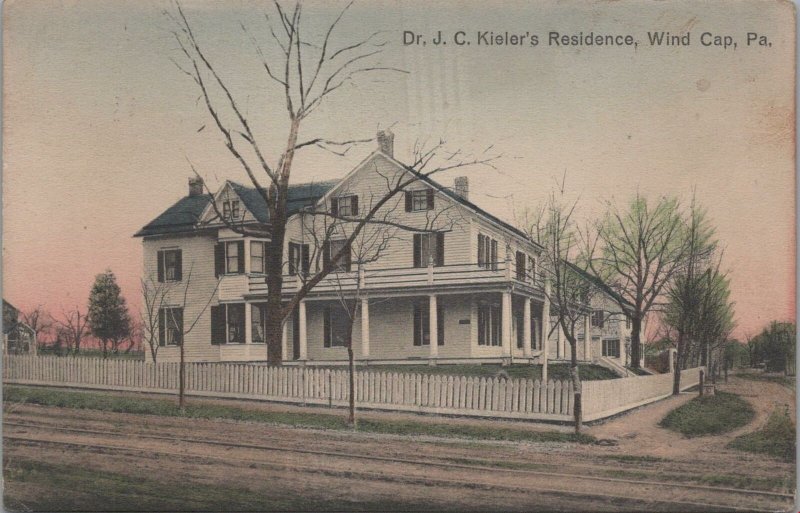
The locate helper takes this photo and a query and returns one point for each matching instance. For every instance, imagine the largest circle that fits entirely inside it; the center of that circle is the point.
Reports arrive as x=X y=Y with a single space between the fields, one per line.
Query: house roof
x=184 y=215
x=599 y=283
x=447 y=191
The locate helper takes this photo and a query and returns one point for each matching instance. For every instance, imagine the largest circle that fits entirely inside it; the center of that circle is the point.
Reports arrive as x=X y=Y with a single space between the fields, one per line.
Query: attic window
x=421 y=200
x=230 y=209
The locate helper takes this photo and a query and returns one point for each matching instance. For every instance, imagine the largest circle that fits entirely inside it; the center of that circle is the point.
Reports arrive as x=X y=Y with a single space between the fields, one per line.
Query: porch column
x=285 y=341
x=545 y=329
x=365 y=327
x=434 y=327
x=526 y=328
x=506 y=323
x=248 y=324
x=302 y=335
x=587 y=338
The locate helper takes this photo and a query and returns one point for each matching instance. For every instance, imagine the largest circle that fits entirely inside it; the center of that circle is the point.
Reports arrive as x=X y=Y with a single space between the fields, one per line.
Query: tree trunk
x=676 y=377
x=576 y=387
x=351 y=419
x=636 y=345
x=182 y=380
x=153 y=352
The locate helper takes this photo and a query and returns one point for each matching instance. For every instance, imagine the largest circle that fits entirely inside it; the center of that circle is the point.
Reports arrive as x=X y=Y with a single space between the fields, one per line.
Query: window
x=298 y=258
x=226 y=209
x=489 y=325
x=487 y=252
x=422 y=324
x=332 y=248
x=521 y=270
x=227 y=324
x=235 y=209
x=258 y=251
x=334 y=327
x=627 y=322
x=169 y=265
x=417 y=201
x=598 y=319
x=428 y=248
x=611 y=348
x=170 y=326
x=229 y=258
x=346 y=206
x=259 y=316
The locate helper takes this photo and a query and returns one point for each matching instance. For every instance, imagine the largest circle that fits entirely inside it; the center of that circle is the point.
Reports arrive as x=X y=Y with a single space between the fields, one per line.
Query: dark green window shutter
x=409 y=201
x=326 y=254
x=417 y=325
x=304 y=258
x=161 y=327
x=160 y=264
x=354 y=205
x=335 y=206
x=240 y=258
x=292 y=258
x=417 y=249
x=429 y=193
x=440 y=248
x=326 y=328
x=440 y=324
x=219 y=259
x=218 y=324
x=178 y=265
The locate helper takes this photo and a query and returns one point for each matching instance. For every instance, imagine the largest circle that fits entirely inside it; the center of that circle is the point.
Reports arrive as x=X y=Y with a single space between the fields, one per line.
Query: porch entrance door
x=295 y=335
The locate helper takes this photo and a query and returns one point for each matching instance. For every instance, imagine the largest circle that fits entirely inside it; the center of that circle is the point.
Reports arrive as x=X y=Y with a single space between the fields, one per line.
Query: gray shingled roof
x=184 y=214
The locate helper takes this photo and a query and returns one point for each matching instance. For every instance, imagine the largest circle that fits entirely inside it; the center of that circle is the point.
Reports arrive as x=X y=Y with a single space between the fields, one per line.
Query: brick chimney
x=386 y=142
x=195 y=186
x=461 y=187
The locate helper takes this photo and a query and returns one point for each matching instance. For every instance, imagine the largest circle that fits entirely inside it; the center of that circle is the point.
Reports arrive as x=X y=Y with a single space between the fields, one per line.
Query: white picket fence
x=398 y=391
x=611 y=396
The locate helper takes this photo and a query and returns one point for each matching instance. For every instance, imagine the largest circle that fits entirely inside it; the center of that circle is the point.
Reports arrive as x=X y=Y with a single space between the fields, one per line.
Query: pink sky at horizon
x=98 y=125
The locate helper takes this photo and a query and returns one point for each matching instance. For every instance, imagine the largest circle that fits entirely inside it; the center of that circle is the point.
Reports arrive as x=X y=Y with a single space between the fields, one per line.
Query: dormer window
x=230 y=209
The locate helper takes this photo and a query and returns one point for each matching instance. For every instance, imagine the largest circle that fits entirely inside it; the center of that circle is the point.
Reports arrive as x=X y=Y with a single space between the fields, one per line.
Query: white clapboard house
x=463 y=288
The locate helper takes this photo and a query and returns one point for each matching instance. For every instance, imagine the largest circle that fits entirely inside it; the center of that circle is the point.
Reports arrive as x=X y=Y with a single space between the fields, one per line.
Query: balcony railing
x=377 y=279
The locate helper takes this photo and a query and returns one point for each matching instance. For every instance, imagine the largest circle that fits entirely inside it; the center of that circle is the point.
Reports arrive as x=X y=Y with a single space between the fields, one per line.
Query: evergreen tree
x=108 y=314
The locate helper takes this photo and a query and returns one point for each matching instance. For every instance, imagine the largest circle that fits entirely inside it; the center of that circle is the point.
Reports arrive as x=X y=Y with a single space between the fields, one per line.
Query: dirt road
x=67 y=459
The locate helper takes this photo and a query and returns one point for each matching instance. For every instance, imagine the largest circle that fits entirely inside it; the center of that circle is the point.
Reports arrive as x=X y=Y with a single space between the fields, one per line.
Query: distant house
x=471 y=291
x=18 y=337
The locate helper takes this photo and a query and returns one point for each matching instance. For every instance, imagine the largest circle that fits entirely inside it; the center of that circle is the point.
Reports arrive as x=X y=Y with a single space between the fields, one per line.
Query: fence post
x=702 y=375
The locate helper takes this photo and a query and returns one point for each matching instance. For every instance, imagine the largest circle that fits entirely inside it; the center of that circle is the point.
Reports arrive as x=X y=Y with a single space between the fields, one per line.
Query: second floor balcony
x=451 y=277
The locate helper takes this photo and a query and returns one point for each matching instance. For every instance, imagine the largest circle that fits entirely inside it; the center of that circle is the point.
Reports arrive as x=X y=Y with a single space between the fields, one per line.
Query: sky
x=99 y=125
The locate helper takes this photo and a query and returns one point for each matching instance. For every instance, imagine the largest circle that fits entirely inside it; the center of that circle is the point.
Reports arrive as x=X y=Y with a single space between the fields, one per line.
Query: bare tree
x=305 y=73
x=72 y=328
x=154 y=296
x=565 y=268
x=38 y=320
x=640 y=251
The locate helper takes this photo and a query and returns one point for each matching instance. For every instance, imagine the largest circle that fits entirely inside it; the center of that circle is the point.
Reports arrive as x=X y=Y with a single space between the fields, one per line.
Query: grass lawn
x=709 y=415
x=787 y=381
x=776 y=438
x=588 y=372
x=320 y=420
